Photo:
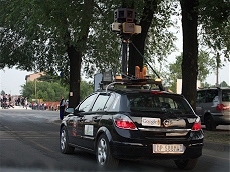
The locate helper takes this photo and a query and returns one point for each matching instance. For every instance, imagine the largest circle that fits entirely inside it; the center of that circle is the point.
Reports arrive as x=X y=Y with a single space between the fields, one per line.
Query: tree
x=48 y=91
x=205 y=65
x=214 y=22
x=41 y=32
x=86 y=89
x=154 y=19
x=3 y=92
x=52 y=36
x=213 y=19
x=224 y=84
x=52 y=91
x=190 y=49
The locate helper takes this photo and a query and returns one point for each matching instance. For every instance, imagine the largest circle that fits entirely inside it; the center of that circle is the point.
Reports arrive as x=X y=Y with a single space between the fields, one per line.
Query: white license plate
x=168 y=148
x=151 y=122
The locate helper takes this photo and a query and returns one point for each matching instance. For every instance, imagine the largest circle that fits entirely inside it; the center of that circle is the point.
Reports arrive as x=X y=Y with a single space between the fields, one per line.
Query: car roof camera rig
x=125 y=26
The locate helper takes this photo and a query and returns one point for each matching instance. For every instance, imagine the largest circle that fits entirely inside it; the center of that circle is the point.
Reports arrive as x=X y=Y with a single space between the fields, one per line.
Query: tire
x=186 y=164
x=210 y=124
x=64 y=142
x=103 y=154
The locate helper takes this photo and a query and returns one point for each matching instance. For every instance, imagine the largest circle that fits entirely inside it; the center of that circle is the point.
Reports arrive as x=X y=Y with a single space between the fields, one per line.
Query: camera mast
x=125 y=26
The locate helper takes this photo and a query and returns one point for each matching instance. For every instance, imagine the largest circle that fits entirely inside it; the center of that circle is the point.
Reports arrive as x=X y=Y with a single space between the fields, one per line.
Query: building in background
x=34 y=76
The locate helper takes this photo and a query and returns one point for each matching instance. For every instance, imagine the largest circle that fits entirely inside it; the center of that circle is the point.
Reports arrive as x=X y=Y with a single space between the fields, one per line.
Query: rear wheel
x=104 y=157
x=210 y=124
x=64 y=142
x=186 y=164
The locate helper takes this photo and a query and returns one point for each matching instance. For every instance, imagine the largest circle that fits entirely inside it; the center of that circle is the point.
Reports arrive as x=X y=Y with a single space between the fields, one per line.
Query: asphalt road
x=29 y=141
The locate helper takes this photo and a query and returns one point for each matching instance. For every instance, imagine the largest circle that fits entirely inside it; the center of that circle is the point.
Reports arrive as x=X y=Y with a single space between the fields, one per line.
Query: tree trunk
x=75 y=54
x=135 y=59
x=75 y=76
x=190 y=50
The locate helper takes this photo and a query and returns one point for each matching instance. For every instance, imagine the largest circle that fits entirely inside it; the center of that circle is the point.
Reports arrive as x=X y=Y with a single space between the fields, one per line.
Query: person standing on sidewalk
x=10 y=102
x=62 y=107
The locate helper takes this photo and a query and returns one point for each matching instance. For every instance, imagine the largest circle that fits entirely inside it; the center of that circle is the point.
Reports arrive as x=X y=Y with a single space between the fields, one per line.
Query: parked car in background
x=213 y=106
x=132 y=123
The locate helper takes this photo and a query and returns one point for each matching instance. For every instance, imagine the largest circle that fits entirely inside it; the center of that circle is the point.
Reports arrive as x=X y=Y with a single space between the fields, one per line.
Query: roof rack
x=134 y=83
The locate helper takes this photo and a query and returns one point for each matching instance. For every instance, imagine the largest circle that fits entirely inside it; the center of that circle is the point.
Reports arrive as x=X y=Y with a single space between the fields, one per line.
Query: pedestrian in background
x=25 y=102
x=62 y=107
x=10 y=102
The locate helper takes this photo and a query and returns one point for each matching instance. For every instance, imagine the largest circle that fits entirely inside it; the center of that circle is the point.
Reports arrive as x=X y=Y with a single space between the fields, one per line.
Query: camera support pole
x=124 y=25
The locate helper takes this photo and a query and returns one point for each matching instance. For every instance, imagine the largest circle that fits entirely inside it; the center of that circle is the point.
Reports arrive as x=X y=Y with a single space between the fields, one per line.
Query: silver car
x=213 y=106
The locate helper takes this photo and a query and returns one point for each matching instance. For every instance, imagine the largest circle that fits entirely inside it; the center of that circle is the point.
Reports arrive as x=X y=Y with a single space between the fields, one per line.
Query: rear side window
x=226 y=95
x=160 y=102
x=100 y=103
x=210 y=95
x=200 y=97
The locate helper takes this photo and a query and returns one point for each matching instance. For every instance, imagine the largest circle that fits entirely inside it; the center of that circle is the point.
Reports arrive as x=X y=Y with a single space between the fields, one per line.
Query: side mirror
x=69 y=111
x=77 y=112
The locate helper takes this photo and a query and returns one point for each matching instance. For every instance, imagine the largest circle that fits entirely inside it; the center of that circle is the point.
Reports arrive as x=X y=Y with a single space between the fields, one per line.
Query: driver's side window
x=87 y=103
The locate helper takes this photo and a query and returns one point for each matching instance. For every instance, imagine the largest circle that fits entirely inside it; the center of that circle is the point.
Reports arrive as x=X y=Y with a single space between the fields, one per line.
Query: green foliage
x=38 y=37
x=51 y=91
x=205 y=65
x=35 y=35
x=215 y=26
x=161 y=37
x=224 y=84
x=48 y=91
x=3 y=92
x=86 y=89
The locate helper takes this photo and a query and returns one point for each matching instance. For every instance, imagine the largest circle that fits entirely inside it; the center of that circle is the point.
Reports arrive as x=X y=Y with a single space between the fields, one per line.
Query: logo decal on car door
x=89 y=130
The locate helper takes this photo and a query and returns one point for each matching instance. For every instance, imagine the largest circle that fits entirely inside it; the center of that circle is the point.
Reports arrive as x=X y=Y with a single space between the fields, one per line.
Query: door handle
x=96 y=118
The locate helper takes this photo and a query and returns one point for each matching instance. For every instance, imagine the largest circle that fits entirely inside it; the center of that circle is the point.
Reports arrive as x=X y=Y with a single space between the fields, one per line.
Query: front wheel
x=64 y=142
x=186 y=164
x=104 y=157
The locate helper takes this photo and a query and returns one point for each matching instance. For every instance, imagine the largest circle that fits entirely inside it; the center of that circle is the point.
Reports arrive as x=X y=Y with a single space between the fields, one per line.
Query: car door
x=76 y=122
x=92 y=119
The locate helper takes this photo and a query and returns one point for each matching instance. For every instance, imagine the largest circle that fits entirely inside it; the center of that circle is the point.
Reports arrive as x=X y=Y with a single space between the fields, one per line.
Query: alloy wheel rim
x=102 y=149
x=63 y=139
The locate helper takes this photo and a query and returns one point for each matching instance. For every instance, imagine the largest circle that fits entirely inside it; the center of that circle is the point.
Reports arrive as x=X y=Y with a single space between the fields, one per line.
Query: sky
x=11 y=80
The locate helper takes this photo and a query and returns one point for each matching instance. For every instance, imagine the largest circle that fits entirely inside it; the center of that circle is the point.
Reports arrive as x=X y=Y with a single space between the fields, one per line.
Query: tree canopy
x=52 y=91
x=205 y=65
x=53 y=35
x=69 y=37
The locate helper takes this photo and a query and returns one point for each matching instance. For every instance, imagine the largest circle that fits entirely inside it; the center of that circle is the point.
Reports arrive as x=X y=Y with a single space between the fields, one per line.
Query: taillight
x=124 y=122
x=197 y=125
x=221 y=107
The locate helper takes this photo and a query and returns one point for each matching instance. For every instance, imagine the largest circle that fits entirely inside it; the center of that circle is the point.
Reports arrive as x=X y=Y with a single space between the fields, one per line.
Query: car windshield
x=226 y=95
x=160 y=103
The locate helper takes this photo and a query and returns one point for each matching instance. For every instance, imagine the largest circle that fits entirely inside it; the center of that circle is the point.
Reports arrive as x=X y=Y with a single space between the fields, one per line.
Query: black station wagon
x=134 y=124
